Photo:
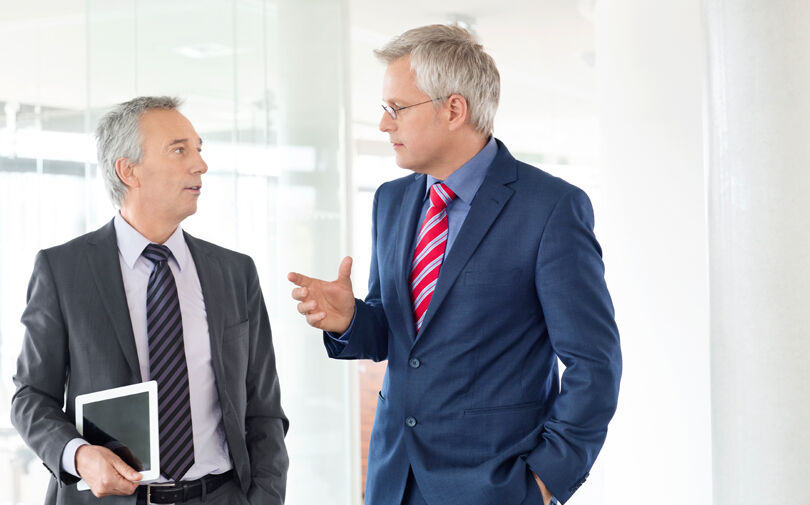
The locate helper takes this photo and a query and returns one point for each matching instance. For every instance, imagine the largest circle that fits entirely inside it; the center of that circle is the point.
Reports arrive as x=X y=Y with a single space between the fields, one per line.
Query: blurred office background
x=686 y=122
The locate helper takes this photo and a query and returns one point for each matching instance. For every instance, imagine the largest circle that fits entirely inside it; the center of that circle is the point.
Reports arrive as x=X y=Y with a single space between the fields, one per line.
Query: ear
x=125 y=170
x=458 y=112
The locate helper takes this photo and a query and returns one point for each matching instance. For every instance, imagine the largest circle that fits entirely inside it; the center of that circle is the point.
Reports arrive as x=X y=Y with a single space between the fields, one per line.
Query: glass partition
x=263 y=85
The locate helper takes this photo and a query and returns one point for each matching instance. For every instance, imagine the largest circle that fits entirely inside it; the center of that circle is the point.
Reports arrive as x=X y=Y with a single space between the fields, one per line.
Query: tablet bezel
x=149 y=387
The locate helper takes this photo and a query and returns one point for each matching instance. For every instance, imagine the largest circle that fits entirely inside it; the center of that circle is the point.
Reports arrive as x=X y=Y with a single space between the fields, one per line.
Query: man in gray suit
x=137 y=300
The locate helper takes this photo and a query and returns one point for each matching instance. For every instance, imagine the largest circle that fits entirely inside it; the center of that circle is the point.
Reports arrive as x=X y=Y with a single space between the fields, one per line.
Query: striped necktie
x=167 y=365
x=429 y=252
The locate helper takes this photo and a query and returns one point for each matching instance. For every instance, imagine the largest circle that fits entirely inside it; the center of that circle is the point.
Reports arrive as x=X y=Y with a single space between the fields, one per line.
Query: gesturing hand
x=328 y=306
x=104 y=472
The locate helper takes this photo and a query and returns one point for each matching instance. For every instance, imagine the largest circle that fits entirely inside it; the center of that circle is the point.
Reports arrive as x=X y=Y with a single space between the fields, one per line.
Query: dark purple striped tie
x=167 y=363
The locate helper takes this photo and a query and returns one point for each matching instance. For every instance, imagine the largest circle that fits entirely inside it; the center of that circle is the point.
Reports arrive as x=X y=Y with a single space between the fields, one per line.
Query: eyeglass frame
x=392 y=111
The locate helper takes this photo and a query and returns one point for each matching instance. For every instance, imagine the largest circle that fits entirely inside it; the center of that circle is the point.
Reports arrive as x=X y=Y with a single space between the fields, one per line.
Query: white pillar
x=651 y=220
x=759 y=218
x=308 y=55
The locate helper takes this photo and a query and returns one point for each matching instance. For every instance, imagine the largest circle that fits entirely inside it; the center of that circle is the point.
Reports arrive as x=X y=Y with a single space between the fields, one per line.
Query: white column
x=309 y=62
x=759 y=218
x=650 y=219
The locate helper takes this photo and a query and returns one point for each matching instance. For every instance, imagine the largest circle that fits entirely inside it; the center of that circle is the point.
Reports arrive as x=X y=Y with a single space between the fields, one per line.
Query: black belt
x=179 y=492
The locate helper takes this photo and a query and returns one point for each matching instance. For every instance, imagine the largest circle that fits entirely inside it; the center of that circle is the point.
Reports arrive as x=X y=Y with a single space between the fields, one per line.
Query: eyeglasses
x=392 y=111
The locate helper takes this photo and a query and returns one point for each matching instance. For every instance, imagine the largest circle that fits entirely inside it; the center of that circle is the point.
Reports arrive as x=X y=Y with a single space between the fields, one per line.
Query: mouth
x=396 y=145
x=194 y=189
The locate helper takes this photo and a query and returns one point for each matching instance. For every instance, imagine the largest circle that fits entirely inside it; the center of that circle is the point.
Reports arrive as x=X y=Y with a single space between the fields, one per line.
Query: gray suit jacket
x=79 y=339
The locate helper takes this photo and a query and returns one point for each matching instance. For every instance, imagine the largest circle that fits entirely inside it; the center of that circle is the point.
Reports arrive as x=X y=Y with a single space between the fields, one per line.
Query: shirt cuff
x=69 y=456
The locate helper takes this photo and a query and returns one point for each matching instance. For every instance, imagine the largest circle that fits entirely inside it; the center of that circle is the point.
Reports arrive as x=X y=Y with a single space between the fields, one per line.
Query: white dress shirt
x=210 y=447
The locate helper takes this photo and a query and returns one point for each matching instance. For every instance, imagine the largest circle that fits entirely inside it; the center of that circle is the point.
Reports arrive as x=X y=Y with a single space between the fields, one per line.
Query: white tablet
x=125 y=420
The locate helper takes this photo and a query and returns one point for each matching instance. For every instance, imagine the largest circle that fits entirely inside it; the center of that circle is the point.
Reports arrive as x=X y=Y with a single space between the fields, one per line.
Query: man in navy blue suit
x=484 y=271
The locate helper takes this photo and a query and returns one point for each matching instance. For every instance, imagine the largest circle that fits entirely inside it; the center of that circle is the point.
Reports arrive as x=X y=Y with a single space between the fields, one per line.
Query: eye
x=178 y=150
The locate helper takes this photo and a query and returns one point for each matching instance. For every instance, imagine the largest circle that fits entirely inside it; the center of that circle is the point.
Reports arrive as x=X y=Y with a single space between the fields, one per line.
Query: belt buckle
x=149 y=491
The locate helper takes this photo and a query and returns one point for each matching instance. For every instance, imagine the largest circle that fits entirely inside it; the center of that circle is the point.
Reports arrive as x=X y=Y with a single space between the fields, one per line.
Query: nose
x=200 y=166
x=387 y=123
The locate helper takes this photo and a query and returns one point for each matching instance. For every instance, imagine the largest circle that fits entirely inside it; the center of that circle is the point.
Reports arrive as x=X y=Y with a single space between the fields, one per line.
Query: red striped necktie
x=430 y=246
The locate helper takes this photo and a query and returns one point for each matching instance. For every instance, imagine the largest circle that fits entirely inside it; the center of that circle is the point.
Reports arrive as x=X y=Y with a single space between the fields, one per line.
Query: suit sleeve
x=42 y=368
x=265 y=422
x=367 y=337
x=580 y=320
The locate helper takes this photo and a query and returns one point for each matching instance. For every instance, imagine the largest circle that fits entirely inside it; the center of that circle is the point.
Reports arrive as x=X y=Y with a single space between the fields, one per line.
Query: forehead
x=400 y=81
x=159 y=125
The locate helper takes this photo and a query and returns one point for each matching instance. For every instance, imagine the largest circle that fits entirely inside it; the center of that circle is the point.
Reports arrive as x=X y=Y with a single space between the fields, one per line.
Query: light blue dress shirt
x=464 y=182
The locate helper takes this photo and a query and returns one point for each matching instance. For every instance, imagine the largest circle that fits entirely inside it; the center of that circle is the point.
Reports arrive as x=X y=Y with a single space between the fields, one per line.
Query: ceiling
x=66 y=53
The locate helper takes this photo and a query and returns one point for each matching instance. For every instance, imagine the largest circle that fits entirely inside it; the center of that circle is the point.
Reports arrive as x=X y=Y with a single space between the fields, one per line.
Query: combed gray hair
x=118 y=136
x=447 y=59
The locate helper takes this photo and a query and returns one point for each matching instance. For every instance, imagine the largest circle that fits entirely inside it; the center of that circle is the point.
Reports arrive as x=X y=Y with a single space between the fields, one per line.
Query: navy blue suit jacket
x=474 y=402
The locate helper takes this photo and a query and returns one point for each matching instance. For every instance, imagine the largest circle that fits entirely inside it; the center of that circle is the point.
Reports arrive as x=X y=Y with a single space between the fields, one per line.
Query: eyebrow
x=183 y=141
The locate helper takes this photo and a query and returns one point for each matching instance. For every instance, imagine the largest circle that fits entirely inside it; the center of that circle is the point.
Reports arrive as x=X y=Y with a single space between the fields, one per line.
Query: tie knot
x=440 y=195
x=156 y=253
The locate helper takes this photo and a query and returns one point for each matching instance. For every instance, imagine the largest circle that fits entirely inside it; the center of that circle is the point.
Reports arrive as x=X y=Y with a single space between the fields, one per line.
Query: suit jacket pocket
x=503 y=409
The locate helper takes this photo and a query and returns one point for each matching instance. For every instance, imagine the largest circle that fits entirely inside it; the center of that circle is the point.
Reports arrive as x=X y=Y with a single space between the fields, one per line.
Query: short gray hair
x=447 y=59
x=118 y=136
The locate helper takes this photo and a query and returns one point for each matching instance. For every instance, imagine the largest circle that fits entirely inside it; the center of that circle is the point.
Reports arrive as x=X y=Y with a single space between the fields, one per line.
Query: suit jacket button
x=411 y=422
x=414 y=362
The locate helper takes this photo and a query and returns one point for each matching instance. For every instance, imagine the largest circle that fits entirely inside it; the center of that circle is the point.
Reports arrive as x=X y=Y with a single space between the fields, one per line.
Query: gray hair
x=447 y=59
x=118 y=136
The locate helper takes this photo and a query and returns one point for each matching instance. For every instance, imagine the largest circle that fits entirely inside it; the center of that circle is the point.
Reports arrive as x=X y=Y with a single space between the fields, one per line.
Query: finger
x=125 y=487
x=126 y=471
x=309 y=306
x=113 y=484
x=298 y=279
x=300 y=294
x=315 y=319
x=345 y=269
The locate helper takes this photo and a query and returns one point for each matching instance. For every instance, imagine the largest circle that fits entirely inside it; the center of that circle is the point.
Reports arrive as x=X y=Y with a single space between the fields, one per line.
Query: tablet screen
x=122 y=425
x=124 y=420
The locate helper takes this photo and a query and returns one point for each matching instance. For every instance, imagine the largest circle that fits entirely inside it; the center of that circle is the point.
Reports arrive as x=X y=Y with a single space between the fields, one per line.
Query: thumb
x=345 y=269
x=125 y=470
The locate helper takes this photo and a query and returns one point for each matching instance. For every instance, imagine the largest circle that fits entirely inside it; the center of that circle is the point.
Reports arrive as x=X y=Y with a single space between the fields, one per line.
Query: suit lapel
x=412 y=200
x=212 y=285
x=487 y=204
x=106 y=267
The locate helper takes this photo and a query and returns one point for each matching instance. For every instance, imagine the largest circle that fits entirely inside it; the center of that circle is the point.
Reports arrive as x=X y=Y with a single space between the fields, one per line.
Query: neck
x=459 y=152
x=155 y=230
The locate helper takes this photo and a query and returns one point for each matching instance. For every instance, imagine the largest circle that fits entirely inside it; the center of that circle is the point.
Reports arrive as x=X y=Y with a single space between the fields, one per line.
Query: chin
x=188 y=212
x=404 y=163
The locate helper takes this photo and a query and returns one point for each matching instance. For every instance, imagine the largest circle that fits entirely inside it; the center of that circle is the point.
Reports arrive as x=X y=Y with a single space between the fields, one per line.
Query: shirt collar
x=131 y=243
x=465 y=181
